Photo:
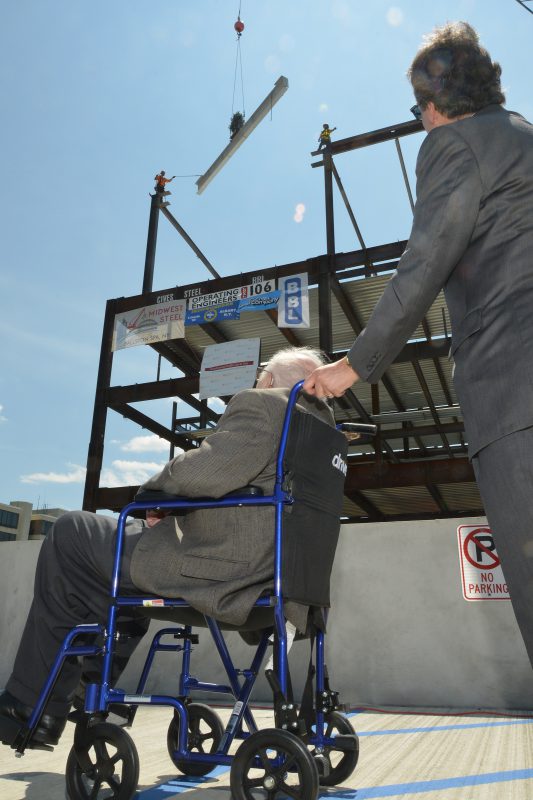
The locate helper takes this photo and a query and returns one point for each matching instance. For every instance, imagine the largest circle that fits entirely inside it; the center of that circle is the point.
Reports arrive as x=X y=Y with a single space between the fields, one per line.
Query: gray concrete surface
x=400 y=632
x=403 y=756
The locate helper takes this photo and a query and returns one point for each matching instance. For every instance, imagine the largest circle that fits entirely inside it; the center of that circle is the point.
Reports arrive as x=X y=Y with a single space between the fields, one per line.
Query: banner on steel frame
x=229 y=367
x=293 y=305
x=156 y=323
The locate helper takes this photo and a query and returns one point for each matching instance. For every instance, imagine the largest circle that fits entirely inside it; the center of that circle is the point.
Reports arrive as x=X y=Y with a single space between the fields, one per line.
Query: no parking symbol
x=481 y=573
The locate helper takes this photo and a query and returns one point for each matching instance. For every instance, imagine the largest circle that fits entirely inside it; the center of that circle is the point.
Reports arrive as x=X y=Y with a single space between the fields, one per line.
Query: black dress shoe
x=14 y=713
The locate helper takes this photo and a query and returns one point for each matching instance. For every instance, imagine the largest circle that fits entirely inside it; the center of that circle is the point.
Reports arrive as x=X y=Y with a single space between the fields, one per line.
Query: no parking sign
x=481 y=573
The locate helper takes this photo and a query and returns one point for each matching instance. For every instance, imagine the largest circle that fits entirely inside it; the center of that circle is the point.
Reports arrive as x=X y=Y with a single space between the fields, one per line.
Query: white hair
x=293 y=364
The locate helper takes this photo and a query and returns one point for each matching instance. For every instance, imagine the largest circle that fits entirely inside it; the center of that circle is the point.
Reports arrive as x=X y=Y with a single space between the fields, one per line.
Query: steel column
x=325 y=331
x=95 y=454
x=151 y=243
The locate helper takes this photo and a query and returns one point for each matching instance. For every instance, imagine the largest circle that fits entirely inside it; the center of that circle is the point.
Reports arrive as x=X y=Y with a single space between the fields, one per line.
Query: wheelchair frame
x=240 y=684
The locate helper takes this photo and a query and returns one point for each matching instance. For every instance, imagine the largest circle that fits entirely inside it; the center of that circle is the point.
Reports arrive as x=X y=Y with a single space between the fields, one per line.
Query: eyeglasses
x=416 y=111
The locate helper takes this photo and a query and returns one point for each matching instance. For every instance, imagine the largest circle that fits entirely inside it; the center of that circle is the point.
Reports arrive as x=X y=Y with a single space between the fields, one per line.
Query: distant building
x=19 y=521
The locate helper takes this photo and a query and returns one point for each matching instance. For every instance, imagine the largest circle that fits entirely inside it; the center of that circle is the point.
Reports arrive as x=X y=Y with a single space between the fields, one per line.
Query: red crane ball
x=239 y=26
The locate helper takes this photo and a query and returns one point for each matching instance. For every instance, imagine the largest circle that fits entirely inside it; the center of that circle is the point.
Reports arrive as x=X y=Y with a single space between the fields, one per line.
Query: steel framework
x=418 y=467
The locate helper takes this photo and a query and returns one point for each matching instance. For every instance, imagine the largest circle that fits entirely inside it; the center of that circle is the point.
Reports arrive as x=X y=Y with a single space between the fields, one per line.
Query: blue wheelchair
x=312 y=743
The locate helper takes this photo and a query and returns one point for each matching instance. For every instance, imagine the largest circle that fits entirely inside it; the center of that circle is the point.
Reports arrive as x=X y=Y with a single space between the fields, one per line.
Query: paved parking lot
x=407 y=755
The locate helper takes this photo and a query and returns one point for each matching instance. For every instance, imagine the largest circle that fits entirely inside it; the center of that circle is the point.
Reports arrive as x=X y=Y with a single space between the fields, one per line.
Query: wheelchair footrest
x=16 y=735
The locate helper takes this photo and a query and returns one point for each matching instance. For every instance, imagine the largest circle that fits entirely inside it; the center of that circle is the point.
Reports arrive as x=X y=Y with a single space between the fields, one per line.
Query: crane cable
x=238 y=64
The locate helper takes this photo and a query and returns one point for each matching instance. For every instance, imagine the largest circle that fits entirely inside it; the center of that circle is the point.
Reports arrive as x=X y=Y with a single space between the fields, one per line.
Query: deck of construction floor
x=406 y=755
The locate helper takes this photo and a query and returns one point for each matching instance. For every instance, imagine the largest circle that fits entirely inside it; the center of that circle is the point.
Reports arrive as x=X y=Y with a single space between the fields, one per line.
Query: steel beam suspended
x=280 y=87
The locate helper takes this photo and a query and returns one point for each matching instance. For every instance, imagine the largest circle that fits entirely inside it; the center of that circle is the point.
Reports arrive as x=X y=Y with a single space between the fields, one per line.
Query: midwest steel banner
x=150 y=324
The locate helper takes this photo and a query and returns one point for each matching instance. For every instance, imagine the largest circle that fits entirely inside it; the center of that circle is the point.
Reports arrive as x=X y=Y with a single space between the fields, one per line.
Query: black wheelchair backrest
x=315 y=468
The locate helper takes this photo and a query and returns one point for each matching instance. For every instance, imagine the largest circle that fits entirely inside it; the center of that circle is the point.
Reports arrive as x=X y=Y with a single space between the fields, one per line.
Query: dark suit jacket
x=473 y=235
x=226 y=557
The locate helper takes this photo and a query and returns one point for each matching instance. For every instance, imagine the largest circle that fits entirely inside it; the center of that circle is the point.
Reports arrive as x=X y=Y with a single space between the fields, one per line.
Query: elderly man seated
x=219 y=560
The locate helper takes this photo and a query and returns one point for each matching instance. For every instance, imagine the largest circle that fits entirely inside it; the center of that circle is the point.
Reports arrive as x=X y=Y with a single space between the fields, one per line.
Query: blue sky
x=99 y=96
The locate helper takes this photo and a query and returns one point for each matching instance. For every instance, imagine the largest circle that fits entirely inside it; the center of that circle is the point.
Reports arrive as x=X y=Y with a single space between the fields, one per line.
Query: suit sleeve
x=449 y=193
x=230 y=458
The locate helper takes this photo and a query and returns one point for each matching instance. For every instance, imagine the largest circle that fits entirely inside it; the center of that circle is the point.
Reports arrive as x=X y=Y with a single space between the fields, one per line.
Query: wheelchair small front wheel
x=102 y=764
x=339 y=763
x=273 y=764
x=205 y=731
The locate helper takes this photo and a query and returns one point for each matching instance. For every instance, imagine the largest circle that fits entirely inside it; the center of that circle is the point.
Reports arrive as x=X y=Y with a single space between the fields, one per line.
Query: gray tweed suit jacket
x=226 y=556
x=473 y=235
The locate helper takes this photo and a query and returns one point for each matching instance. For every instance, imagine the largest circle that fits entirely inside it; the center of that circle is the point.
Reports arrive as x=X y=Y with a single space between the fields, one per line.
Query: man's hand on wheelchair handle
x=331 y=380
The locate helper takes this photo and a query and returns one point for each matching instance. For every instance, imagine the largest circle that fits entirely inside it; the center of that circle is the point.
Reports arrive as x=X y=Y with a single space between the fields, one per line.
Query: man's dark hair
x=453 y=71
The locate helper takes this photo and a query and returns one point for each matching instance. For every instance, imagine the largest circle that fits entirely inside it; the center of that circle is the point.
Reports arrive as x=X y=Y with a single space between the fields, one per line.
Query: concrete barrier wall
x=400 y=632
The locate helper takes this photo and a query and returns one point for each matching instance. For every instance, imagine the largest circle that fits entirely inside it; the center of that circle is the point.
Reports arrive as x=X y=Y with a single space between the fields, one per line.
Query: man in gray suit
x=220 y=560
x=473 y=235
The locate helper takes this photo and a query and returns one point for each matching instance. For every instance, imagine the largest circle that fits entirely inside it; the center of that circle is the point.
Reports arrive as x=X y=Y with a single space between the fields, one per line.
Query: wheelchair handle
x=295 y=391
x=360 y=432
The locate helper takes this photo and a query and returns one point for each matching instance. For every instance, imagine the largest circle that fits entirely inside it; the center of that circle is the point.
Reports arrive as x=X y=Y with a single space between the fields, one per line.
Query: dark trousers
x=504 y=472
x=72 y=585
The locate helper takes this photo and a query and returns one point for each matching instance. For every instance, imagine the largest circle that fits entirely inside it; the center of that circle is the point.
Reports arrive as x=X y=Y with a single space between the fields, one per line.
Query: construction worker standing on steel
x=161 y=181
x=324 y=140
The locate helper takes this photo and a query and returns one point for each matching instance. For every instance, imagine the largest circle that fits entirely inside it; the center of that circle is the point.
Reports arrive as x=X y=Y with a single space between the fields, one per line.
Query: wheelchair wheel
x=272 y=764
x=336 y=766
x=205 y=732
x=105 y=766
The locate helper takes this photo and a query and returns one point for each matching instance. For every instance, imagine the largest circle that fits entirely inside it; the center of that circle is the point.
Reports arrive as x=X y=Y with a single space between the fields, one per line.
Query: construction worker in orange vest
x=161 y=181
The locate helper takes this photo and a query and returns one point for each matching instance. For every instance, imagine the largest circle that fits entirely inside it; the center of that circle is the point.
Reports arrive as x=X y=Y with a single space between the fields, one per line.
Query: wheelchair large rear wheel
x=205 y=732
x=102 y=764
x=273 y=764
x=336 y=766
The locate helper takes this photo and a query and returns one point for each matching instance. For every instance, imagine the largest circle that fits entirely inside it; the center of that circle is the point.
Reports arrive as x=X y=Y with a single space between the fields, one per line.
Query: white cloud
x=323 y=107
x=146 y=444
x=394 y=16
x=299 y=212
x=129 y=473
x=2 y=418
x=75 y=475
x=121 y=473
